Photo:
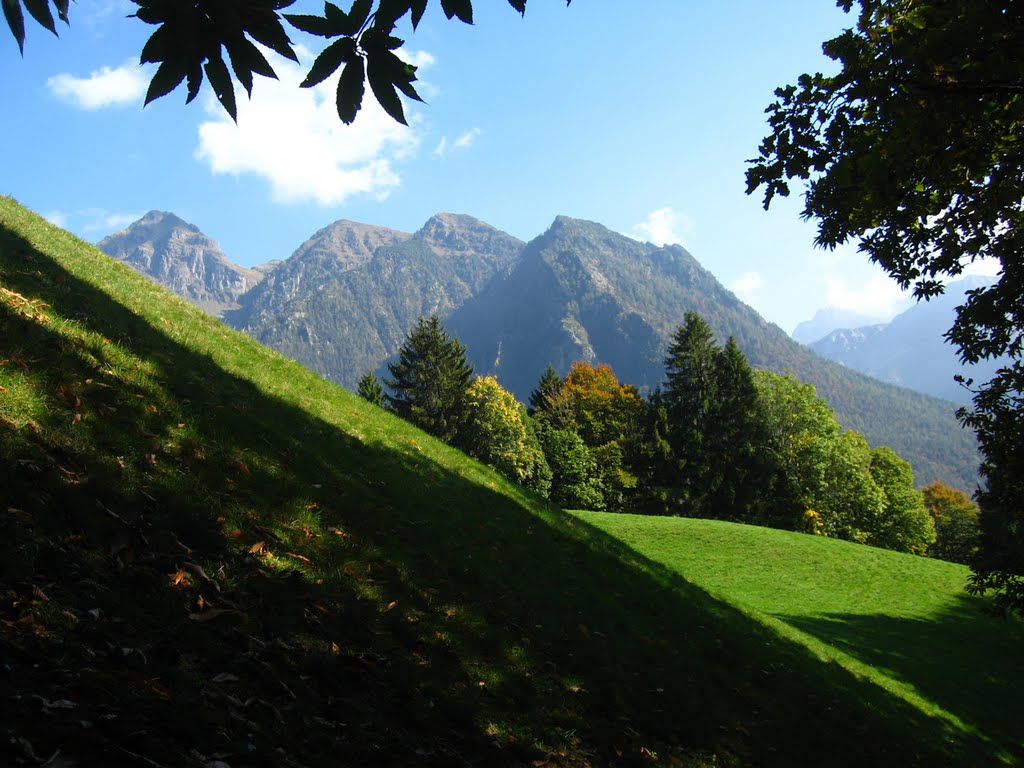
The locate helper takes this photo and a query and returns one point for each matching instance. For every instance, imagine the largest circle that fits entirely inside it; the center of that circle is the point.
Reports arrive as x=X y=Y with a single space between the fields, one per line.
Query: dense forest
x=719 y=440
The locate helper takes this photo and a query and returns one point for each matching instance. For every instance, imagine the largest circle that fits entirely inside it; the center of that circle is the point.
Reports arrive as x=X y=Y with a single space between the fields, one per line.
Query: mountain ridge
x=346 y=298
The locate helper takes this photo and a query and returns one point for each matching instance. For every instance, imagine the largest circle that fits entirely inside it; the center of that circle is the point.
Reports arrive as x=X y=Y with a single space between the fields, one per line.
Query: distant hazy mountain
x=177 y=255
x=910 y=351
x=583 y=292
x=345 y=300
x=830 y=319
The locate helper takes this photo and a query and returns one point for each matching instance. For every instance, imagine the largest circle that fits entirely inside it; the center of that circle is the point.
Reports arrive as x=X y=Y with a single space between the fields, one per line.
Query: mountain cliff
x=177 y=255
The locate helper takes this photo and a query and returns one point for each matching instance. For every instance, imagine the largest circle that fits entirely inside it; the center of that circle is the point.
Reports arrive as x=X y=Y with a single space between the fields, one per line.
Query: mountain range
x=910 y=351
x=828 y=319
x=346 y=298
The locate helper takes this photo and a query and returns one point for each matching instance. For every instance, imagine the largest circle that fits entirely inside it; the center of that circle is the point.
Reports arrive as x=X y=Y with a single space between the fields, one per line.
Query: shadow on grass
x=408 y=616
x=967 y=662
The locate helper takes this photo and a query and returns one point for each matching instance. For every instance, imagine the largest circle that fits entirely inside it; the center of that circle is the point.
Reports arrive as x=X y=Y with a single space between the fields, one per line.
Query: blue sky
x=636 y=115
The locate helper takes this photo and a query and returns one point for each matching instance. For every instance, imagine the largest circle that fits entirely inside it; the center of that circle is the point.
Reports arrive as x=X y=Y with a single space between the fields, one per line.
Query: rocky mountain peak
x=451 y=234
x=347 y=244
x=179 y=256
x=163 y=220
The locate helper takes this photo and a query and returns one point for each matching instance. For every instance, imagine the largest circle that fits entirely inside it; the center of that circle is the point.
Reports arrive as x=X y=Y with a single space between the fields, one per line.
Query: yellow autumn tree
x=497 y=432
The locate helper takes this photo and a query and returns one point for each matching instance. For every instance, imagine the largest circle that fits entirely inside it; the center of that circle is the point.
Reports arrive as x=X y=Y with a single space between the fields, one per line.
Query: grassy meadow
x=208 y=553
x=901 y=621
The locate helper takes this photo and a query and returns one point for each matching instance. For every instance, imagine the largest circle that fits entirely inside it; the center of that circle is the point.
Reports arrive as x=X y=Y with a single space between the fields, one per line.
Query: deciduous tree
x=905 y=524
x=913 y=150
x=956 y=522
x=498 y=433
x=575 y=482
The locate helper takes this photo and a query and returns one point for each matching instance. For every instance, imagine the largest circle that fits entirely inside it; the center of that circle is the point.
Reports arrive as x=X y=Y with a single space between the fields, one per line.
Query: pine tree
x=689 y=397
x=733 y=439
x=548 y=389
x=370 y=389
x=429 y=380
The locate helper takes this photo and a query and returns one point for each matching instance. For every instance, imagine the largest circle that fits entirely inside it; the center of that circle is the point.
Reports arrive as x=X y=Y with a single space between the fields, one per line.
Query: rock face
x=177 y=255
x=345 y=300
x=911 y=351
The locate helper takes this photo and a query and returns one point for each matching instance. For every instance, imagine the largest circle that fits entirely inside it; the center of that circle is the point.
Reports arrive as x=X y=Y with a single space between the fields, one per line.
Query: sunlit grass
x=901 y=621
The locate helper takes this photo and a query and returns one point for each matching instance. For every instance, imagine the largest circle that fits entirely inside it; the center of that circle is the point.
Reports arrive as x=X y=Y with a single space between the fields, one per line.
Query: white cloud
x=463 y=141
x=665 y=226
x=294 y=139
x=746 y=284
x=104 y=87
x=880 y=296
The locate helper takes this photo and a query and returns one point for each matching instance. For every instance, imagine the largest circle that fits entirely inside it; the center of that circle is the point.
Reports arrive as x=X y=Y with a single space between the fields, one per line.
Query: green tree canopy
x=576 y=481
x=192 y=38
x=913 y=149
x=906 y=525
x=429 y=380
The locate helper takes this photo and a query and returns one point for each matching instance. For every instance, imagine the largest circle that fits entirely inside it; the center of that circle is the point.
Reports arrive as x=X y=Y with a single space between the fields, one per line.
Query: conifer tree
x=370 y=389
x=429 y=380
x=689 y=397
x=733 y=439
x=547 y=390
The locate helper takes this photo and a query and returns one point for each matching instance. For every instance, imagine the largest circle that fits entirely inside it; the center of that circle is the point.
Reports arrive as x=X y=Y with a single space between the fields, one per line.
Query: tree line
x=717 y=440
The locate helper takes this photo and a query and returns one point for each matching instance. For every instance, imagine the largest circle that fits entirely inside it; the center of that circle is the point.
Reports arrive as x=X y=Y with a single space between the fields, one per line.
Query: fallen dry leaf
x=197 y=571
x=239 y=466
x=67 y=395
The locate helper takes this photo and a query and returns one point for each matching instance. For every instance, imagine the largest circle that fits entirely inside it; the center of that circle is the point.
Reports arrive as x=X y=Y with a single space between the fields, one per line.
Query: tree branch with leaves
x=192 y=39
x=915 y=150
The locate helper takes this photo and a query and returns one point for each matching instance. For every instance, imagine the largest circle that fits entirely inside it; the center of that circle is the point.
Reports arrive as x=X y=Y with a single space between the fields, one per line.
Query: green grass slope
x=208 y=553
x=901 y=621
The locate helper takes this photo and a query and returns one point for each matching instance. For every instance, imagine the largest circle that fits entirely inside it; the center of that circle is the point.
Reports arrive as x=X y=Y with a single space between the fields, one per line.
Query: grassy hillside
x=208 y=553
x=901 y=621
